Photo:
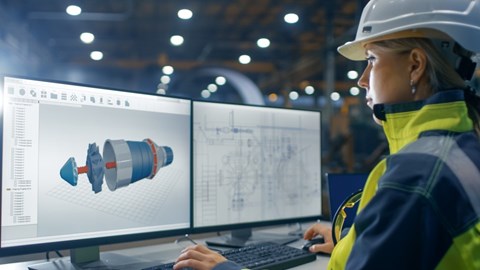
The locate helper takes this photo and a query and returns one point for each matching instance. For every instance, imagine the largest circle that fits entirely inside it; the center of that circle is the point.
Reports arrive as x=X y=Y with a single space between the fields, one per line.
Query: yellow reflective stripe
x=371 y=185
x=339 y=257
x=341 y=252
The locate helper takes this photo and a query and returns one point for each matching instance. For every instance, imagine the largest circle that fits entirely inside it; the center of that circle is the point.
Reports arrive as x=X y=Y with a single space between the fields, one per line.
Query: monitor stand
x=297 y=231
x=243 y=237
x=91 y=258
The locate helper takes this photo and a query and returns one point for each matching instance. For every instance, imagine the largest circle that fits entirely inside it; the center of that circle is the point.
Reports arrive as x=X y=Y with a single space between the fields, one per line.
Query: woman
x=420 y=208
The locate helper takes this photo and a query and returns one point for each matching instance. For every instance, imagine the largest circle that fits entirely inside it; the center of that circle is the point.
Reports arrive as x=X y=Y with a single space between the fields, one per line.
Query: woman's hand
x=321 y=230
x=198 y=257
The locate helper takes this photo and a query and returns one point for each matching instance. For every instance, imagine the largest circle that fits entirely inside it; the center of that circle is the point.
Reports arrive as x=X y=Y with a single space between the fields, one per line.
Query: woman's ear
x=418 y=64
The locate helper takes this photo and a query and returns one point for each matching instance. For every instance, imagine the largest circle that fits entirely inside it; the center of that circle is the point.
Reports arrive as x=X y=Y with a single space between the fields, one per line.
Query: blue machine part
x=69 y=172
x=142 y=160
x=123 y=163
x=96 y=167
x=162 y=156
x=148 y=158
x=168 y=155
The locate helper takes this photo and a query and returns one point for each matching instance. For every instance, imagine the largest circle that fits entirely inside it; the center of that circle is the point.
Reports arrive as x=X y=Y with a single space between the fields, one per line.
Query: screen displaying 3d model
x=82 y=162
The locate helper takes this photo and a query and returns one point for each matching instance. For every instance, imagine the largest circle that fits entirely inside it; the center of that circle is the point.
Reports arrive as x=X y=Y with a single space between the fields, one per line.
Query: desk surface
x=164 y=252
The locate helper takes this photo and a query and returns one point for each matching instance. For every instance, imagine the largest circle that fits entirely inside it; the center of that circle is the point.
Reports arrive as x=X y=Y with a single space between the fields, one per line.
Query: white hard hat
x=391 y=19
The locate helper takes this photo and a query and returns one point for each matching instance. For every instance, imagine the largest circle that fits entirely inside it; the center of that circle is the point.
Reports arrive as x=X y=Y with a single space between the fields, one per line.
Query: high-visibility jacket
x=420 y=208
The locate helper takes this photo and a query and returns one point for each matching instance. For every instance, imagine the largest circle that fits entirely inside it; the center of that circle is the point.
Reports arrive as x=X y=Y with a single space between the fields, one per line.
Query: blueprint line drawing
x=251 y=166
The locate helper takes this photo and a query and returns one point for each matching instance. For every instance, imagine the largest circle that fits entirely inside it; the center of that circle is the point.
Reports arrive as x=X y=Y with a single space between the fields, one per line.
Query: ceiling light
x=244 y=59
x=220 y=80
x=335 y=96
x=212 y=87
x=352 y=74
x=87 y=37
x=272 y=97
x=291 y=18
x=205 y=93
x=263 y=42
x=96 y=55
x=309 y=90
x=167 y=70
x=184 y=14
x=176 y=40
x=293 y=95
x=161 y=91
x=354 y=91
x=165 y=79
x=73 y=10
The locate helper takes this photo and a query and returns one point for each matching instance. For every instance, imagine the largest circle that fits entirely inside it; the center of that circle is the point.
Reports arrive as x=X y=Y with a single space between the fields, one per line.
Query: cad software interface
x=254 y=164
x=81 y=162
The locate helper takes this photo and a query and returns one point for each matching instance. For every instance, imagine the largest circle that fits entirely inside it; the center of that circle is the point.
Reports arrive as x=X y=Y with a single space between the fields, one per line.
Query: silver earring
x=414 y=87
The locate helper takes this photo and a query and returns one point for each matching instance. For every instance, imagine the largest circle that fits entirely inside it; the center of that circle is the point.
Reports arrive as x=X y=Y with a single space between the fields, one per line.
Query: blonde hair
x=441 y=75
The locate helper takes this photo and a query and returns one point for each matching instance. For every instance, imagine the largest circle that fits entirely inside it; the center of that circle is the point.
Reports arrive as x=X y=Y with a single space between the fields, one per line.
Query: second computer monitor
x=254 y=165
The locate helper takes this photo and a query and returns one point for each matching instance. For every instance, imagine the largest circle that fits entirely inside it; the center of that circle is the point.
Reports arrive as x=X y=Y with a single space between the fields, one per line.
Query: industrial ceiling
x=38 y=38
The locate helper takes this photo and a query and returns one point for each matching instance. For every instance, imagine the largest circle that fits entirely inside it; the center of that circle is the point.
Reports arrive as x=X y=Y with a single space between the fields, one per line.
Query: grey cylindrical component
x=117 y=151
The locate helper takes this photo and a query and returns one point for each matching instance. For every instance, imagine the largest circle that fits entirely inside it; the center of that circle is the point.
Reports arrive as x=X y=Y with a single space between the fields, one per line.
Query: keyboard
x=270 y=256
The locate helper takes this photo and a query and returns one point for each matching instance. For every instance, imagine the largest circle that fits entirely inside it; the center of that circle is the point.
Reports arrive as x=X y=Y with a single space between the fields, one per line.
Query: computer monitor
x=254 y=166
x=86 y=166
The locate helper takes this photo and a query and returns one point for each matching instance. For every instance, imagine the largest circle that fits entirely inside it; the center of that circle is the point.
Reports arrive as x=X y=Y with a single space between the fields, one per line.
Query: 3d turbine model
x=123 y=162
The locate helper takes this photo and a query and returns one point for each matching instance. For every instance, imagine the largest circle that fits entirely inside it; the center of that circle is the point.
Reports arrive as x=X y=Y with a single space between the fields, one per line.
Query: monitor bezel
x=255 y=224
x=93 y=241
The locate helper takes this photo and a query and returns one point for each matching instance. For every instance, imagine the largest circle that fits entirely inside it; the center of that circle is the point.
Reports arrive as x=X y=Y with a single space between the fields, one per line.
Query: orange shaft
x=83 y=169
x=111 y=165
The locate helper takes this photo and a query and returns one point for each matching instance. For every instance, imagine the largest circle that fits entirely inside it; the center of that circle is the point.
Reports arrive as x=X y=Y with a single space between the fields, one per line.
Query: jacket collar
x=404 y=122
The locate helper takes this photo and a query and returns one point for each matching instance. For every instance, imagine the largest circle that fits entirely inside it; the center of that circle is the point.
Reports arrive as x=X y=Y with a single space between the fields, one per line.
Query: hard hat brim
x=355 y=50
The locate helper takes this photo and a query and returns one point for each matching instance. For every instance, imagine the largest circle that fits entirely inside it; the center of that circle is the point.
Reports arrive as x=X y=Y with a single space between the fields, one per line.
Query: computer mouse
x=313 y=241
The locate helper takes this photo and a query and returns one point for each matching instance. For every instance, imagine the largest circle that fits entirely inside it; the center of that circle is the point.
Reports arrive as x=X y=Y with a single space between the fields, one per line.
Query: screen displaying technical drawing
x=255 y=164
